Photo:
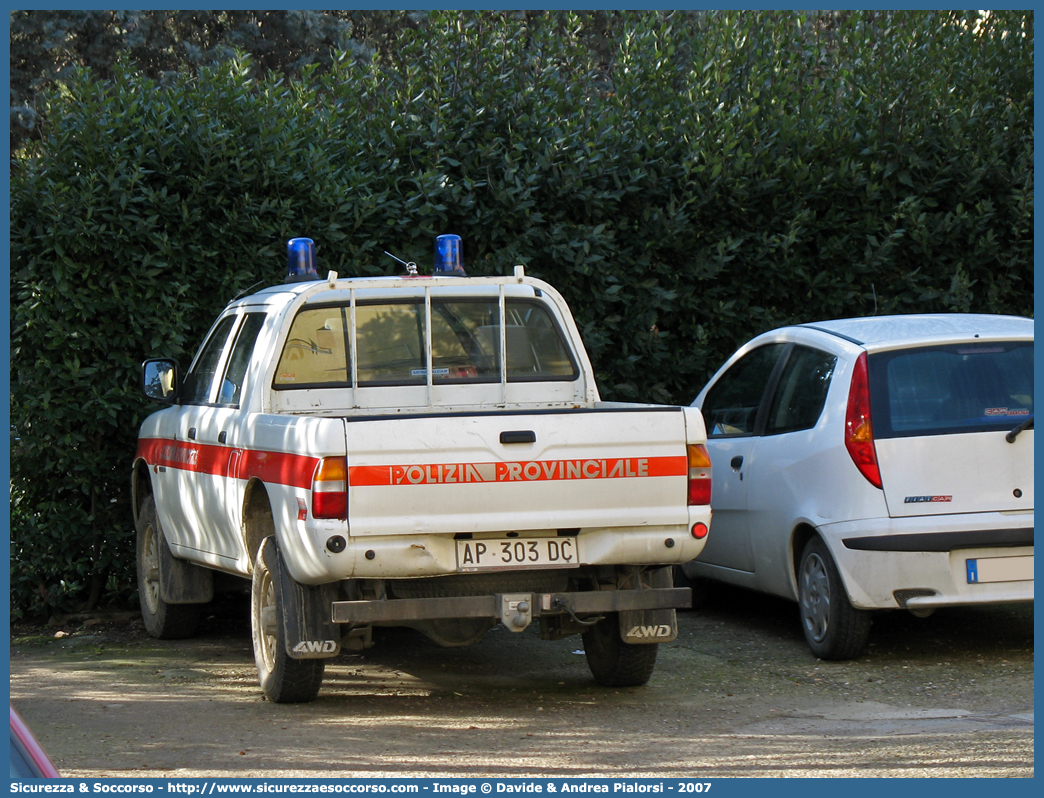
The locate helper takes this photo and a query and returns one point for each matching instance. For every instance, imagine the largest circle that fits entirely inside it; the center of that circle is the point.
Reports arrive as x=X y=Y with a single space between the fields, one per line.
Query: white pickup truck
x=423 y=451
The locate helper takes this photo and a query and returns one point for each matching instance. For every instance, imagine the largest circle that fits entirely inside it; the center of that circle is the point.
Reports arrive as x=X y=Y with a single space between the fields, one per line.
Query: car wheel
x=284 y=680
x=613 y=662
x=833 y=628
x=162 y=620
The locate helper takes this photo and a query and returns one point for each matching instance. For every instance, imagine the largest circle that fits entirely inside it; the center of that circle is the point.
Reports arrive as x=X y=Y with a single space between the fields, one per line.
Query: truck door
x=222 y=434
x=186 y=458
x=205 y=515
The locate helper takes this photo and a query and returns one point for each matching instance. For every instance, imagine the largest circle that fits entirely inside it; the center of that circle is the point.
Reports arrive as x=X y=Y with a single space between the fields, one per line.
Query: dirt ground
x=738 y=694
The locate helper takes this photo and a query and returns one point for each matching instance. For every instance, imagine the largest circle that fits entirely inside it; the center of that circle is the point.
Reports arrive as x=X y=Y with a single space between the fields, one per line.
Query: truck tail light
x=859 y=431
x=330 y=488
x=699 y=474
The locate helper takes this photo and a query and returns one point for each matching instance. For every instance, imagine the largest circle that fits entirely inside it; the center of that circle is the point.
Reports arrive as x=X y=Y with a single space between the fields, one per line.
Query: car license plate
x=516 y=553
x=1000 y=569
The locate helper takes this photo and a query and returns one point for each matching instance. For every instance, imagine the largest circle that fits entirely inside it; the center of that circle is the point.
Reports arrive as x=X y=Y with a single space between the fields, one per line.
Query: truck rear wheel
x=162 y=620
x=613 y=662
x=284 y=680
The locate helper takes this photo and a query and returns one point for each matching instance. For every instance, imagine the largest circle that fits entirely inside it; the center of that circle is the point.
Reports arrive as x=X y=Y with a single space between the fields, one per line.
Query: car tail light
x=330 y=488
x=699 y=474
x=859 y=431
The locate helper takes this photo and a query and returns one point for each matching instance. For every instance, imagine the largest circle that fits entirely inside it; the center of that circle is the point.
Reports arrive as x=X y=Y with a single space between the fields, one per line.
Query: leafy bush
x=704 y=177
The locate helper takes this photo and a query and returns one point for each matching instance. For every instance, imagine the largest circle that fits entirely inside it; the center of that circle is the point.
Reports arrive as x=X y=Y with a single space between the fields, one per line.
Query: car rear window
x=391 y=344
x=948 y=389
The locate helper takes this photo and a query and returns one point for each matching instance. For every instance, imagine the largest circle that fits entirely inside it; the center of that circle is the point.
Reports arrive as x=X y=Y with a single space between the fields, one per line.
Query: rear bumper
x=493 y=606
x=923 y=563
x=312 y=562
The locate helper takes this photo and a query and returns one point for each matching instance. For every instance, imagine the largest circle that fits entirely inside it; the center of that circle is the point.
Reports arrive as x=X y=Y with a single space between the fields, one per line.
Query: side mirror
x=228 y=392
x=160 y=379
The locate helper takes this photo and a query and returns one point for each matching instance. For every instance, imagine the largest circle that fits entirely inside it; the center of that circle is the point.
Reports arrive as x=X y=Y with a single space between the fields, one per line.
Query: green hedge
x=705 y=178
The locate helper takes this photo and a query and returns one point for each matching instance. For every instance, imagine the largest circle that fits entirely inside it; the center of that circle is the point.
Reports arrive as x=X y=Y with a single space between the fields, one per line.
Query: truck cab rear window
x=949 y=389
x=391 y=344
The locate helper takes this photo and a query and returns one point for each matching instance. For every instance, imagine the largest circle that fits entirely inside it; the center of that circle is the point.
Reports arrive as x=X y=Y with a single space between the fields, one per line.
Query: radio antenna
x=411 y=267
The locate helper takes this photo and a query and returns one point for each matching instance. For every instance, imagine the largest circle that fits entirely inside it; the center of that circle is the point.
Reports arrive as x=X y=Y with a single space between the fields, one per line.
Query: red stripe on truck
x=297 y=470
x=523 y=471
x=276 y=468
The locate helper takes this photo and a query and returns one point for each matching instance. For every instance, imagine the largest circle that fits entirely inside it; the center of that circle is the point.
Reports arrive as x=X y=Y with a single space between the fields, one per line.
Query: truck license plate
x=516 y=553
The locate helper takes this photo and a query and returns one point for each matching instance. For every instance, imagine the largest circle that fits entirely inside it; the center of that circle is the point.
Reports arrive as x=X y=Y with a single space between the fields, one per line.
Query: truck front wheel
x=284 y=680
x=613 y=662
x=162 y=620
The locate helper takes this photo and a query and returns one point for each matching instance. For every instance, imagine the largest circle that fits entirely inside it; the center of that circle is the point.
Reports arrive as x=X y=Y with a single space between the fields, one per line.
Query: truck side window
x=316 y=350
x=731 y=406
x=232 y=385
x=535 y=347
x=198 y=381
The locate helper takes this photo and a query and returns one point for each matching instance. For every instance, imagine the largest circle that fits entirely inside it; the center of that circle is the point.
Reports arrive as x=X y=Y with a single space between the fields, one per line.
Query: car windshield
x=947 y=389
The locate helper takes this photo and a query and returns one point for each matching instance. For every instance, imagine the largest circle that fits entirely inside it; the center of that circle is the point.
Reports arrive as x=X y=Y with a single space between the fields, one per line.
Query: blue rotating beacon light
x=449 y=257
x=300 y=261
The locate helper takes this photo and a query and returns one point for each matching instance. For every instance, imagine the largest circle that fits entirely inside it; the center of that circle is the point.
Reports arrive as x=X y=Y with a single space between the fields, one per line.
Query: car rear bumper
x=938 y=561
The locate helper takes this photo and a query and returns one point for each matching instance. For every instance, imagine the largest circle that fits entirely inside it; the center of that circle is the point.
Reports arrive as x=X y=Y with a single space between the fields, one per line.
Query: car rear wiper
x=1011 y=436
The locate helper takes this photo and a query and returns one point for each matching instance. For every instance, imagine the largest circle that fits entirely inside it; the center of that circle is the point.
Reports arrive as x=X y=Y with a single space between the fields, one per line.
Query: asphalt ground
x=738 y=694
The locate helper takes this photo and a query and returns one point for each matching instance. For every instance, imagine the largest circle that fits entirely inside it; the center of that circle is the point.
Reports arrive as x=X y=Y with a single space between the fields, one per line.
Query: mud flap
x=183 y=582
x=651 y=626
x=308 y=631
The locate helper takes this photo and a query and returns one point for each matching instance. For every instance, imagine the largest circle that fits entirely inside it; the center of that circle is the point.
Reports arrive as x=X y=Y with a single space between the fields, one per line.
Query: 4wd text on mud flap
x=662 y=630
x=315 y=647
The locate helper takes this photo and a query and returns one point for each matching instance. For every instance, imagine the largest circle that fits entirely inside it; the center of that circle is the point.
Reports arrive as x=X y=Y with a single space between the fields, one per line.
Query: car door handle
x=192 y=433
x=518 y=436
x=736 y=462
x=222 y=436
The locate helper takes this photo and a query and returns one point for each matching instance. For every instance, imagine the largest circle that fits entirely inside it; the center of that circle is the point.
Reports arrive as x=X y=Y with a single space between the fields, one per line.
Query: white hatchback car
x=873 y=463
